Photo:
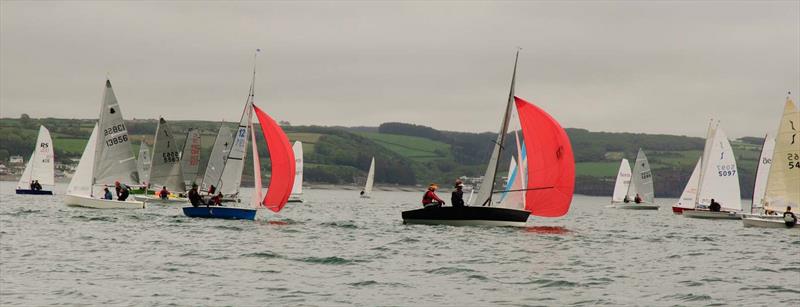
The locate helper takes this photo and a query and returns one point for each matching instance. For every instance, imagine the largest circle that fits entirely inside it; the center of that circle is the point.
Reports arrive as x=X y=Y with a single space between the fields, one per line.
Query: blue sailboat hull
x=220 y=213
x=34 y=192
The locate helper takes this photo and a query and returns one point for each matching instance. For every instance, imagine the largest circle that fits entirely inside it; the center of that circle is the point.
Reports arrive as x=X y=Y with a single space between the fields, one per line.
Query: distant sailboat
x=40 y=167
x=622 y=183
x=550 y=174
x=282 y=167
x=297 y=189
x=782 y=190
x=641 y=185
x=762 y=172
x=718 y=180
x=689 y=195
x=190 y=157
x=143 y=164
x=166 y=168
x=367 y=192
x=107 y=159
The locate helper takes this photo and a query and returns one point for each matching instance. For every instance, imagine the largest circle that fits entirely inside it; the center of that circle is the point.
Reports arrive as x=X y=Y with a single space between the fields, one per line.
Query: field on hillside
x=414 y=148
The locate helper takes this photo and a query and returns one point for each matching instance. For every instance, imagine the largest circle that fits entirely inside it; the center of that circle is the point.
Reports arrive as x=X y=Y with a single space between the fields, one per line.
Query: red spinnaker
x=551 y=166
x=282 y=158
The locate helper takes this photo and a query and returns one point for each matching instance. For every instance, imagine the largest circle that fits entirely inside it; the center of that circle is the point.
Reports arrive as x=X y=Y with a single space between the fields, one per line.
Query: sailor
x=38 y=185
x=626 y=199
x=123 y=192
x=212 y=189
x=33 y=185
x=789 y=217
x=216 y=200
x=163 y=194
x=107 y=194
x=637 y=199
x=457 y=199
x=430 y=199
x=194 y=196
x=117 y=188
x=714 y=206
x=362 y=193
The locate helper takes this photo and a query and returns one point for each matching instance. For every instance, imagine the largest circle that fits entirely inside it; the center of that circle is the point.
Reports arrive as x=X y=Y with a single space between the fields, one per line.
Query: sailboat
x=783 y=180
x=143 y=164
x=641 y=185
x=367 y=192
x=106 y=159
x=216 y=161
x=282 y=168
x=190 y=157
x=622 y=183
x=689 y=195
x=297 y=189
x=718 y=179
x=166 y=167
x=550 y=174
x=40 y=167
x=762 y=172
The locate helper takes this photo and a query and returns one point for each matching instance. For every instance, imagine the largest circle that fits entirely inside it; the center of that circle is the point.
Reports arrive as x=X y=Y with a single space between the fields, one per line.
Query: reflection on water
x=550 y=230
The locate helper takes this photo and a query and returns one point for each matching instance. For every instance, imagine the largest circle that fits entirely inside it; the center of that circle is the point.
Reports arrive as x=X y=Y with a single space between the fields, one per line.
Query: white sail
x=231 y=177
x=166 y=163
x=40 y=166
x=81 y=183
x=143 y=163
x=297 y=188
x=622 y=183
x=641 y=180
x=762 y=171
x=190 y=156
x=712 y=130
x=370 y=178
x=689 y=195
x=783 y=182
x=720 y=177
x=114 y=160
x=513 y=198
x=216 y=161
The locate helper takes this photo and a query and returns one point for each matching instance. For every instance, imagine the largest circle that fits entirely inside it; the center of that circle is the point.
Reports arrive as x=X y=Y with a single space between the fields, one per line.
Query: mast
x=492 y=171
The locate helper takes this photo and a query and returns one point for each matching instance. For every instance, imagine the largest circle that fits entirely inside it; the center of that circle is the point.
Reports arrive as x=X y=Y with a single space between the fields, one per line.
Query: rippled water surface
x=337 y=249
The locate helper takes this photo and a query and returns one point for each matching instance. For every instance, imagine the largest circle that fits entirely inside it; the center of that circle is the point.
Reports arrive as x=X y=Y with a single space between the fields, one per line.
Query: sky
x=619 y=66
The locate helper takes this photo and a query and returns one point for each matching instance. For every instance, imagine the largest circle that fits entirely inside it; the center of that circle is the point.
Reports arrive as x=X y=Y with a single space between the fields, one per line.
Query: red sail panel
x=551 y=166
x=282 y=158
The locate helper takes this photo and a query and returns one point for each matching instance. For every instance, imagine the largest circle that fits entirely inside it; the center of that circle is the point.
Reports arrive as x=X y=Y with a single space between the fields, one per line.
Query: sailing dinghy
x=165 y=169
x=106 y=159
x=40 y=167
x=370 y=180
x=641 y=184
x=297 y=189
x=689 y=195
x=718 y=180
x=782 y=184
x=549 y=165
x=622 y=183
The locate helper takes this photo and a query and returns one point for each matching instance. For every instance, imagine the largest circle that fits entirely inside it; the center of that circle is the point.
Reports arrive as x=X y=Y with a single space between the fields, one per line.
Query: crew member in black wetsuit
x=194 y=196
x=457 y=199
x=714 y=206
x=123 y=192
x=637 y=199
x=626 y=199
x=789 y=217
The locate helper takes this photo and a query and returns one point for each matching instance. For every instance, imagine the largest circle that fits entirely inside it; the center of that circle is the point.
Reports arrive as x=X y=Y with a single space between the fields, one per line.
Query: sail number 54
x=794 y=160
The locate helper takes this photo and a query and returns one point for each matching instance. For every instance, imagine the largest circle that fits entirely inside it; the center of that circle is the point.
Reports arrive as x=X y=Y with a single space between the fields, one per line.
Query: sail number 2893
x=794 y=160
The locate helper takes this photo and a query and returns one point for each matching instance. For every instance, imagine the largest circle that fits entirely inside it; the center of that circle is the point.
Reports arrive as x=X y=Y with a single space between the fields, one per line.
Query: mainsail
x=370 y=178
x=143 y=163
x=190 y=156
x=81 y=183
x=40 y=166
x=216 y=162
x=762 y=172
x=231 y=177
x=282 y=162
x=114 y=160
x=641 y=180
x=166 y=163
x=297 y=188
x=719 y=179
x=551 y=165
x=622 y=183
x=784 y=175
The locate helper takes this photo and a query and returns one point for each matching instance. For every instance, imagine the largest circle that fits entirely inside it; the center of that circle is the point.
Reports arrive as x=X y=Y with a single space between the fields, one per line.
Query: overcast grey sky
x=656 y=67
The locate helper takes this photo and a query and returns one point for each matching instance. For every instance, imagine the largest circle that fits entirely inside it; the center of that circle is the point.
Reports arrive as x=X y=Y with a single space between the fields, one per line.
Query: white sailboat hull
x=96 y=203
x=706 y=214
x=634 y=206
x=773 y=221
x=295 y=198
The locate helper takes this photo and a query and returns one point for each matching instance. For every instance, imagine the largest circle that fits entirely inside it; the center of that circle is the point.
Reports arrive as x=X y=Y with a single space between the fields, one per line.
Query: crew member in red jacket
x=430 y=199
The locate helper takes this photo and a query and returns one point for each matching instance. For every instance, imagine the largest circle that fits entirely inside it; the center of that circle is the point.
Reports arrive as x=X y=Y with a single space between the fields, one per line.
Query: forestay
x=641 y=180
x=166 y=163
x=114 y=160
x=40 y=166
x=622 y=183
x=81 y=183
x=784 y=175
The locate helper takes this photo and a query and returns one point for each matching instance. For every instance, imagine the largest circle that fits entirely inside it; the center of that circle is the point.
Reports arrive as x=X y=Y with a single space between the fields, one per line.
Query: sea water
x=338 y=249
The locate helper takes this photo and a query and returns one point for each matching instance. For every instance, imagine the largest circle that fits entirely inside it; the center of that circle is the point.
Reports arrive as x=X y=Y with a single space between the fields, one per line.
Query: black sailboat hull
x=467 y=216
